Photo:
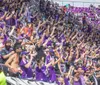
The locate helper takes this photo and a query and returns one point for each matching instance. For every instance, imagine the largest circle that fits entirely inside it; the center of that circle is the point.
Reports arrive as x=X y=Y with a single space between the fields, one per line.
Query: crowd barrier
x=17 y=81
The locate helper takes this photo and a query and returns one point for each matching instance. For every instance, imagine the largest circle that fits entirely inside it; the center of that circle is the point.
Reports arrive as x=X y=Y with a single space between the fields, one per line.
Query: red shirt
x=28 y=31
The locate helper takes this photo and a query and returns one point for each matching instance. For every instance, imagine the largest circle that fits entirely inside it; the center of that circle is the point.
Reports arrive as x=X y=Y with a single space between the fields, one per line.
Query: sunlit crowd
x=55 y=44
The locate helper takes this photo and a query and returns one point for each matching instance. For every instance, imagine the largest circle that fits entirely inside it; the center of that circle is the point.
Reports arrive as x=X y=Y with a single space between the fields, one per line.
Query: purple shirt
x=51 y=70
x=77 y=82
x=66 y=80
x=40 y=73
x=52 y=74
x=49 y=43
x=27 y=72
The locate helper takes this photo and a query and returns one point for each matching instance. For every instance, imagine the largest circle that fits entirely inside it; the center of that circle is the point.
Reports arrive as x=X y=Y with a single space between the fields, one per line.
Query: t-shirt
x=28 y=31
x=2 y=79
x=40 y=52
x=40 y=73
x=4 y=52
x=11 y=21
x=27 y=72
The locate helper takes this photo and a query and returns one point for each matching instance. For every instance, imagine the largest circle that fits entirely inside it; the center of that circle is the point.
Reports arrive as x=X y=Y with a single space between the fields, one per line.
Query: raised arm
x=53 y=31
x=70 y=56
x=8 y=62
x=49 y=64
x=77 y=53
x=42 y=38
x=22 y=8
x=46 y=42
x=74 y=36
x=55 y=62
x=8 y=55
x=8 y=17
x=1 y=18
x=70 y=72
x=39 y=25
x=29 y=62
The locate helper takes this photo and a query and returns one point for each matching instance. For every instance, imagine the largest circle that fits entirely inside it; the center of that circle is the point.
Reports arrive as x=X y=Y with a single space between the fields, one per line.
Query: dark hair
x=97 y=65
x=38 y=60
x=16 y=46
x=8 y=41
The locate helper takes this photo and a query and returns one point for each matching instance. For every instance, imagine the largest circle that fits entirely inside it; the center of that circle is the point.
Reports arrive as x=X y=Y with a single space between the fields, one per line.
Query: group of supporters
x=52 y=44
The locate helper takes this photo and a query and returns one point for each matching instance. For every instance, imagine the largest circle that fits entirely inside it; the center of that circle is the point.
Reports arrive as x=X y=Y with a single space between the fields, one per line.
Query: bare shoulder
x=14 y=55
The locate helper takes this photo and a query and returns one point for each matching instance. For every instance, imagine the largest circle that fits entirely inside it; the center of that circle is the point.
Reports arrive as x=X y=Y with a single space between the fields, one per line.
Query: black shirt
x=40 y=52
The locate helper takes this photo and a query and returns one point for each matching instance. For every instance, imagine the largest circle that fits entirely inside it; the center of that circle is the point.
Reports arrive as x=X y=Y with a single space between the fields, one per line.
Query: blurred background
x=78 y=3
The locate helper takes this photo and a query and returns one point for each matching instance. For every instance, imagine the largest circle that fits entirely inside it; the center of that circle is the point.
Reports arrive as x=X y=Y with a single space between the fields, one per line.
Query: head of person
x=8 y=45
x=20 y=40
x=24 y=54
x=38 y=63
x=29 y=25
x=17 y=48
x=47 y=52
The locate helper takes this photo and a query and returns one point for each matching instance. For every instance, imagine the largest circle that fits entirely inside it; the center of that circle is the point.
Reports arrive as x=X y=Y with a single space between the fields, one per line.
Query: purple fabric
x=11 y=22
x=2 y=25
x=47 y=59
x=82 y=80
x=49 y=43
x=51 y=71
x=5 y=39
x=8 y=22
x=77 y=82
x=52 y=74
x=45 y=37
x=27 y=72
x=66 y=80
x=24 y=53
x=40 y=75
x=58 y=83
x=84 y=68
x=1 y=14
x=20 y=38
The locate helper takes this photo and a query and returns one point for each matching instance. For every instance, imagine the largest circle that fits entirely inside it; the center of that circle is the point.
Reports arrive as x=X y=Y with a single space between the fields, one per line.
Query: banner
x=17 y=81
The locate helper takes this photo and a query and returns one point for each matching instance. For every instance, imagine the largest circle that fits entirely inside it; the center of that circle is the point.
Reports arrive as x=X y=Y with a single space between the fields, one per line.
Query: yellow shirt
x=2 y=79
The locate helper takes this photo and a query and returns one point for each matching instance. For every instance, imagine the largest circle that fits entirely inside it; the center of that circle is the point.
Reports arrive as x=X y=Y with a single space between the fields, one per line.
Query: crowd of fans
x=54 y=44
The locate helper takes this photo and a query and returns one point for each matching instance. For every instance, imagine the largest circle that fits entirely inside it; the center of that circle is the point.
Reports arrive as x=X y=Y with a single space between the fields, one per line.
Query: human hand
x=13 y=12
x=12 y=52
x=13 y=70
x=31 y=56
x=20 y=71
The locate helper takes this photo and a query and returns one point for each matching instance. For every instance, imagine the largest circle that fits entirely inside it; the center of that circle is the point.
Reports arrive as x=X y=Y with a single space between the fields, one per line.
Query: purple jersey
x=40 y=73
x=51 y=70
x=77 y=82
x=27 y=72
